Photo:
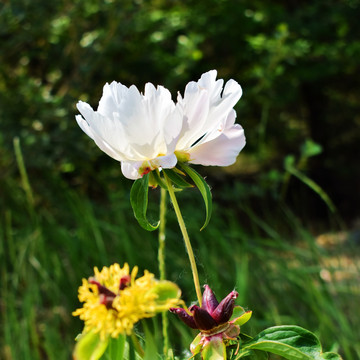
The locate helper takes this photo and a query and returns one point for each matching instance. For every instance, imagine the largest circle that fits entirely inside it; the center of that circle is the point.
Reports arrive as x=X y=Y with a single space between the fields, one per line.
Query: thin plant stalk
x=162 y=267
x=186 y=239
x=162 y=235
x=24 y=177
x=137 y=345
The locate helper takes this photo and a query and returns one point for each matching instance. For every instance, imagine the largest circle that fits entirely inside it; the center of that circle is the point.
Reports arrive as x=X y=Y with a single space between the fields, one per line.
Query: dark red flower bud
x=209 y=301
x=224 y=310
x=124 y=282
x=203 y=319
x=102 y=289
x=184 y=317
x=106 y=296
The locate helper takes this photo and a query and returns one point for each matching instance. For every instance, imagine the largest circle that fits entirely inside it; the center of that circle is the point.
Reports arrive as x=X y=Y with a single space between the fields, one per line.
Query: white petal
x=86 y=110
x=222 y=125
x=165 y=162
x=208 y=81
x=131 y=169
x=204 y=107
x=111 y=99
x=195 y=110
x=222 y=106
x=221 y=148
x=84 y=125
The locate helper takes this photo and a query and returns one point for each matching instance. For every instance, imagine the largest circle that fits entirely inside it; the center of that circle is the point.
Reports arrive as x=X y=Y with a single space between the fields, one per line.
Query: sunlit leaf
x=331 y=356
x=151 y=352
x=291 y=342
x=243 y=318
x=90 y=347
x=115 y=349
x=311 y=148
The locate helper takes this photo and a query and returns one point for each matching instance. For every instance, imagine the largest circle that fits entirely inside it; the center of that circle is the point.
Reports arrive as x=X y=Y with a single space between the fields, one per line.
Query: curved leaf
x=242 y=319
x=151 y=352
x=204 y=190
x=115 y=349
x=291 y=342
x=90 y=347
x=139 y=202
x=331 y=356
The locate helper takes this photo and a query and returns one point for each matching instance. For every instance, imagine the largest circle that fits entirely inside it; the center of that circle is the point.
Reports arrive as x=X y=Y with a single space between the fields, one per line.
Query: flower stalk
x=162 y=266
x=186 y=239
x=162 y=235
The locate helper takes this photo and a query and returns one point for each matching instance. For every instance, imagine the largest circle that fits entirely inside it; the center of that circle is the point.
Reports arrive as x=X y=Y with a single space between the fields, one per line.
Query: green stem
x=137 y=345
x=24 y=177
x=186 y=238
x=162 y=268
x=161 y=252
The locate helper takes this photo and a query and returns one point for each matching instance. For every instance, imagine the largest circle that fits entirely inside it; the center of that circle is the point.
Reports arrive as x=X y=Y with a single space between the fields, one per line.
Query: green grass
x=52 y=237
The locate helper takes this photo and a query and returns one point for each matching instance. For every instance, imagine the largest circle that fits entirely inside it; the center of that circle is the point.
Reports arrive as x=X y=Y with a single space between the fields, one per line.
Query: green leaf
x=150 y=345
x=331 y=356
x=90 y=347
x=310 y=148
x=289 y=161
x=252 y=355
x=115 y=349
x=203 y=188
x=291 y=342
x=139 y=202
x=176 y=179
x=312 y=185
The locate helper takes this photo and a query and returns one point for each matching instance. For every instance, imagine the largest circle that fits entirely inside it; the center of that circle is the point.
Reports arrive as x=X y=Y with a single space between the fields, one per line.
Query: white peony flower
x=139 y=130
x=148 y=131
x=209 y=135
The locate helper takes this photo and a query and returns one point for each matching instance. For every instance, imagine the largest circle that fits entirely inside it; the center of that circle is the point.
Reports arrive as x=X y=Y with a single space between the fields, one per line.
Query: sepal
x=168 y=294
x=215 y=349
x=242 y=319
x=196 y=345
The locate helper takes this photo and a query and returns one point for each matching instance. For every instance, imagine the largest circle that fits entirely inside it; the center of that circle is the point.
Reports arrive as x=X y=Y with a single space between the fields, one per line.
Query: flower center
x=106 y=296
x=182 y=156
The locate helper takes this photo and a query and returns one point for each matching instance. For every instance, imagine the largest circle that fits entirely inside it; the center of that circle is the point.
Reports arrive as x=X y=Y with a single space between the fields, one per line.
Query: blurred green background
x=285 y=229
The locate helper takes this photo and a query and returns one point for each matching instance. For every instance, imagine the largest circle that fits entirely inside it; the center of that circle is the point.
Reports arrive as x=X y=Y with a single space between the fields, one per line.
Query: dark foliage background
x=298 y=64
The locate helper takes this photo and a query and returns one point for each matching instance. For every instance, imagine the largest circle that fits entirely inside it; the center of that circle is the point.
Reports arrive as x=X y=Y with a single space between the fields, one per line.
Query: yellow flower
x=114 y=300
